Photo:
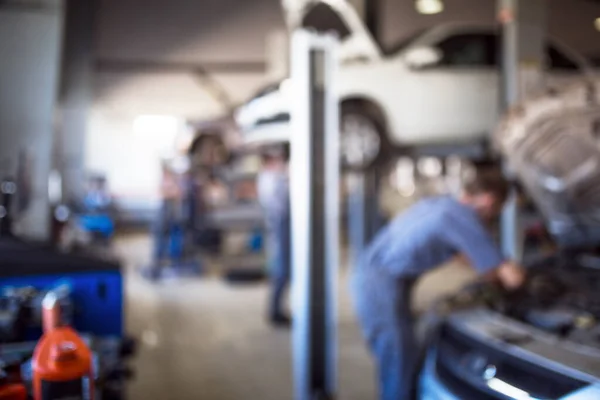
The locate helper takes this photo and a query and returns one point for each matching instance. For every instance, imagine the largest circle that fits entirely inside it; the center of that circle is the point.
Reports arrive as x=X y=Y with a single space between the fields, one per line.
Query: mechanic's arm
x=470 y=238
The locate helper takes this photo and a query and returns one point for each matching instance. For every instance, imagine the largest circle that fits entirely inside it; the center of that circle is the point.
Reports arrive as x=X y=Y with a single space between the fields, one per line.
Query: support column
x=314 y=183
x=364 y=216
x=524 y=33
x=75 y=95
x=30 y=43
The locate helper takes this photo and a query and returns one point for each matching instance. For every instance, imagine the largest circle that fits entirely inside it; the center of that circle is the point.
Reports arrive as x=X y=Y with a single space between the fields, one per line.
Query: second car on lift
x=439 y=86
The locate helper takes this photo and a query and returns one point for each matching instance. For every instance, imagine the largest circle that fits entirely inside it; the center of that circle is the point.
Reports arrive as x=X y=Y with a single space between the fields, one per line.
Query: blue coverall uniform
x=425 y=236
x=169 y=226
x=274 y=197
x=168 y=232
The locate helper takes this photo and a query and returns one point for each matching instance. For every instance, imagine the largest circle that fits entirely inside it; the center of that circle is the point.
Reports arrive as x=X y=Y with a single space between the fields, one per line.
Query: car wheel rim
x=360 y=141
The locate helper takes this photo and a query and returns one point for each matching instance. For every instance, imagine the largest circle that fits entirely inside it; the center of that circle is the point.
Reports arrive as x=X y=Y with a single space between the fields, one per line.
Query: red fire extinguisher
x=62 y=362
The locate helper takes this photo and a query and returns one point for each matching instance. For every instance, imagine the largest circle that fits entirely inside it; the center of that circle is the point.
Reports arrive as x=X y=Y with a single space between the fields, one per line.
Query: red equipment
x=62 y=362
x=13 y=391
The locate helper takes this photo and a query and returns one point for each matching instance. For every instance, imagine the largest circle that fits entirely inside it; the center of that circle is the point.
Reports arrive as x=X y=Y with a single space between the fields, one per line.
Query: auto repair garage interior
x=299 y=199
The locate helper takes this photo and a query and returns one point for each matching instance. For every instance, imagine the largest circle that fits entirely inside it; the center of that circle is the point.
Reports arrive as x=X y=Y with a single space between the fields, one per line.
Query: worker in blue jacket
x=274 y=197
x=428 y=234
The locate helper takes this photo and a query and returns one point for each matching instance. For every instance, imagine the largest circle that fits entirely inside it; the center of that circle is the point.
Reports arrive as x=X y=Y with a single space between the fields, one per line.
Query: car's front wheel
x=362 y=140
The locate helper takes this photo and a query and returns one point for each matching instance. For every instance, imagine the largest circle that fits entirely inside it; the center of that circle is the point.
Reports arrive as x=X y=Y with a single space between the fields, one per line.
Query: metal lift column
x=523 y=55
x=364 y=217
x=314 y=191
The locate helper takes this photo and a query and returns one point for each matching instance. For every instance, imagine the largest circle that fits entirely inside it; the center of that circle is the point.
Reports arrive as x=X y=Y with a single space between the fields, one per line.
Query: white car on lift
x=440 y=86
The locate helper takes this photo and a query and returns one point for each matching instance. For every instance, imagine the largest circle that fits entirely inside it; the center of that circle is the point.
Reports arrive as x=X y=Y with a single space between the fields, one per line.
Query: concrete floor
x=201 y=338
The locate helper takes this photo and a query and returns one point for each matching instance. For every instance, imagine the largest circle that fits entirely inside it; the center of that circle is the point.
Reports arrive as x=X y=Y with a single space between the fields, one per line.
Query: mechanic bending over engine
x=274 y=197
x=428 y=234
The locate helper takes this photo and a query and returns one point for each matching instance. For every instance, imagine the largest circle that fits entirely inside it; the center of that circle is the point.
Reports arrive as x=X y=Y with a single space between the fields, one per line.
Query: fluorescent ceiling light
x=597 y=24
x=429 y=6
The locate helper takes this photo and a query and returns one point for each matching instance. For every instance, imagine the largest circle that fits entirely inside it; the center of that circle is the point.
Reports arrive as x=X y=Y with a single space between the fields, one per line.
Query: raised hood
x=552 y=144
x=341 y=18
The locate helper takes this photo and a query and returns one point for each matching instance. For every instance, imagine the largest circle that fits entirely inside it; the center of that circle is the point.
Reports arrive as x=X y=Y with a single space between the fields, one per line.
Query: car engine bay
x=560 y=297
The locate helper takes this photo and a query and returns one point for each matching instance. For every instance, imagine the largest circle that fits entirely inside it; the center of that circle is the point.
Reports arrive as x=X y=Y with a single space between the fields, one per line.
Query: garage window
x=469 y=50
x=323 y=19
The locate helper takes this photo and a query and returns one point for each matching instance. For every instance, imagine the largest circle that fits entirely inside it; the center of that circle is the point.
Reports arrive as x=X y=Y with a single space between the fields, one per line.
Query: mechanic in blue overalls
x=428 y=234
x=273 y=196
x=169 y=225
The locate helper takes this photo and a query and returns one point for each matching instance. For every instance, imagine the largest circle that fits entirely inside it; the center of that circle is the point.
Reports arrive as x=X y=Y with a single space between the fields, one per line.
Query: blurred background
x=103 y=102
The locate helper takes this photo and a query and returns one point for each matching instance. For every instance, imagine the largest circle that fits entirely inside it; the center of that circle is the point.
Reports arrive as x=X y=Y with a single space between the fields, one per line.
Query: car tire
x=363 y=142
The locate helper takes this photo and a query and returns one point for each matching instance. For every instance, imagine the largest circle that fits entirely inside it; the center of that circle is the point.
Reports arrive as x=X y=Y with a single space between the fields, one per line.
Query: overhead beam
x=154 y=66
x=28 y=6
x=202 y=72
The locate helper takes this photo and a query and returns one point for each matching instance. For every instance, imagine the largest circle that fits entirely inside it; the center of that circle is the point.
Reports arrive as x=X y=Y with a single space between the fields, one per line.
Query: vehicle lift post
x=364 y=216
x=314 y=193
x=524 y=43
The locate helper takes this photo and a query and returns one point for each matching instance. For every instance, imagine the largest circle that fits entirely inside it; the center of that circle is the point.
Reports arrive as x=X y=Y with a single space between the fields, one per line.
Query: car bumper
x=473 y=339
x=430 y=386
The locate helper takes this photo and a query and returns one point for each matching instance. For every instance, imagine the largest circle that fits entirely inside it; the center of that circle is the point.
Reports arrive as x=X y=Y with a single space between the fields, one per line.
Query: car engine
x=560 y=296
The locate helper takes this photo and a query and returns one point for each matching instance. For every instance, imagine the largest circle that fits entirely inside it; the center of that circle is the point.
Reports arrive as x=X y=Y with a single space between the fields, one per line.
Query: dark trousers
x=383 y=309
x=279 y=256
x=168 y=235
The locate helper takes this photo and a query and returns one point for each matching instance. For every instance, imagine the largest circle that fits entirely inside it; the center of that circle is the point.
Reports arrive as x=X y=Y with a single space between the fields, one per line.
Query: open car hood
x=552 y=144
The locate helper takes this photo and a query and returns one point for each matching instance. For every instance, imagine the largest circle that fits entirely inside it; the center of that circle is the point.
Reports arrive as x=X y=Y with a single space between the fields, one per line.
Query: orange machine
x=62 y=362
